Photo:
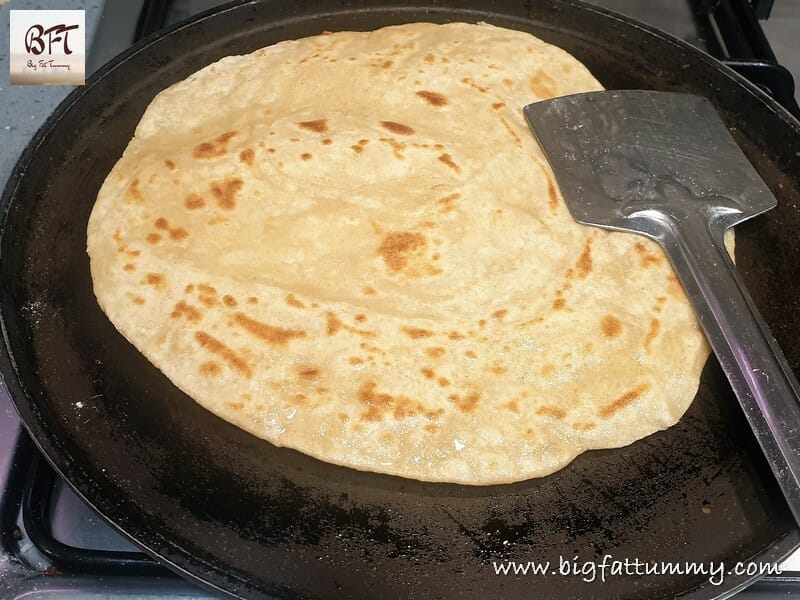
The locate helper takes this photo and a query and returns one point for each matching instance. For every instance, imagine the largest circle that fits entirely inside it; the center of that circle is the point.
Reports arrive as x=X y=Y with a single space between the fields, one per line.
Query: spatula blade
x=665 y=165
x=615 y=153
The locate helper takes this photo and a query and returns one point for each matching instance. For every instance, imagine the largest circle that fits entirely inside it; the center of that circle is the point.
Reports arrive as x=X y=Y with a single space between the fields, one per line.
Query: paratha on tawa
x=351 y=245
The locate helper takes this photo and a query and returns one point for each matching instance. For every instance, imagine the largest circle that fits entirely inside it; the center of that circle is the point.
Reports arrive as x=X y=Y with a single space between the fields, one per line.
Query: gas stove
x=51 y=542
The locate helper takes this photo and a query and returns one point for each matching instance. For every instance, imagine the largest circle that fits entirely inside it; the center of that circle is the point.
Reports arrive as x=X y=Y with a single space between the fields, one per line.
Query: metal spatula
x=664 y=165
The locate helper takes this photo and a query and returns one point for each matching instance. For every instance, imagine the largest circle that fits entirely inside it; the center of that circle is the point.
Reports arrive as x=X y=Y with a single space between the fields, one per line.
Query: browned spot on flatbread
x=397 y=247
x=583 y=426
x=213 y=345
x=512 y=405
x=359 y=318
x=447 y=203
x=306 y=156
x=511 y=132
x=161 y=223
x=334 y=324
x=371 y=349
x=137 y=300
x=216 y=147
x=623 y=401
x=252 y=300
x=551 y=411
x=610 y=326
x=387 y=64
x=659 y=305
x=182 y=309
x=448 y=160
x=397 y=128
x=276 y=336
x=170 y=165
x=552 y=197
x=368 y=291
x=246 y=156
x=455 y=335
x=210 y=368
x=378 y=404
x=133 y=195
x=436 y=352
x=194 y=202
x=177 y=234
x=292 y=301
x=416 y=333
x=465 y=404
x=307 y=373
x=655 y=327
x=208 y=300
x=471 y=82
x=499 y=314
x=429 y=58
x=433 y=98
x=397 y=147
x=327 y=141
x=236 y=406
x=647 y=258
x=229 y=301
x=355 y=360
x=498 y=105
x=544 y=86
x=129 y=267
x=428 y=372
x=470 y=354
x=674 y=287
x=584 y=264
x=317 y=125
x=548 y=370
x=225 y=192
x=155 y=279
x=559 y=303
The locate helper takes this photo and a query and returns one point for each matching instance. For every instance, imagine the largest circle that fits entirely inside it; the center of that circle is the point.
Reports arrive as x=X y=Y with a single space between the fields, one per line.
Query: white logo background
x=52 y=65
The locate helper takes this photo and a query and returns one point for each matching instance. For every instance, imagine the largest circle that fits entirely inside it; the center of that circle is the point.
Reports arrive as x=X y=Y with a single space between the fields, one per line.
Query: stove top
x=53 y=543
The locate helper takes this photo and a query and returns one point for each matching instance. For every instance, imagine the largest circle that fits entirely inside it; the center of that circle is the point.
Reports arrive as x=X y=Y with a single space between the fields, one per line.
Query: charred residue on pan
x=292 y=514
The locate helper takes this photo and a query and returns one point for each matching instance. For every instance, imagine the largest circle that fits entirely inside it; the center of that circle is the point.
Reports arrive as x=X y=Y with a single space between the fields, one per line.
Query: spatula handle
x=746 y=349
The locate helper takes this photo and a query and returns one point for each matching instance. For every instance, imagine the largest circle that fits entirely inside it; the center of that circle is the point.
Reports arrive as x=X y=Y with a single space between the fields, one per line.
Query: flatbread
x=351 y=245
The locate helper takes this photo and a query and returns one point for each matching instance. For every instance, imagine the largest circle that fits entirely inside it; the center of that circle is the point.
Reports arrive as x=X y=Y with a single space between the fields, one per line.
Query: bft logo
x=36 y=35
x=48 y=46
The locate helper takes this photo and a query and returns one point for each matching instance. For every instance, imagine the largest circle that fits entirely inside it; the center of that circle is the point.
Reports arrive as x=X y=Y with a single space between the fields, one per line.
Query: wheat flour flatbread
x=351 y=245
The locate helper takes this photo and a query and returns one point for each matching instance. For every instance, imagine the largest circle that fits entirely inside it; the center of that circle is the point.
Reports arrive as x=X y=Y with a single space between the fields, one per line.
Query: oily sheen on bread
x=351 y=245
